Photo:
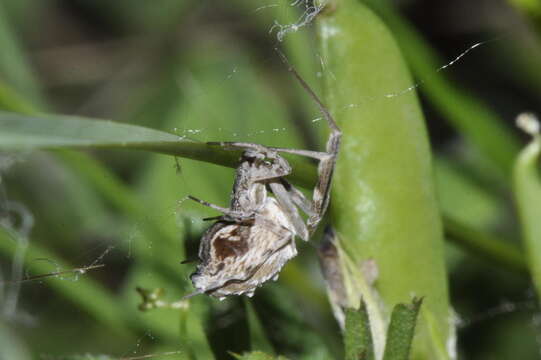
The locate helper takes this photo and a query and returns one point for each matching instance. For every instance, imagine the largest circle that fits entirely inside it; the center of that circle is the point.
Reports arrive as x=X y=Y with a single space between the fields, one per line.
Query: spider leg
x=278 y=169
x=231 y=145
x=229 y=215
x=327 y=163
x=271 y=164
x=234 y=145
x=290 y=210
x=273 y=227
x=240 y=219
x=318 y=155
x=324 y=111
x=212 y=206
x=197 y=292
x=298 y=198
x=212 y=218
x=321 y=195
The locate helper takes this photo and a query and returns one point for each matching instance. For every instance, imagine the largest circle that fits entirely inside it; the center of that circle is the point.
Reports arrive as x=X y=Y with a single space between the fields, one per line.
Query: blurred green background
x=207 y=70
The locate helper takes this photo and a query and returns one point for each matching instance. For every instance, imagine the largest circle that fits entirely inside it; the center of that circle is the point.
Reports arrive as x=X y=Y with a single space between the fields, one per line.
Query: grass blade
x=485 y=245
x=401 y=330
x=14 y=66
x=357 y=338
x=47 y=132
x=23 y=131
x=527 y=187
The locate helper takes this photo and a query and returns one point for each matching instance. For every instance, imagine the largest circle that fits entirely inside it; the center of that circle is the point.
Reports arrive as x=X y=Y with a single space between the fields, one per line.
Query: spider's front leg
x=316 y=208
x=287 y=204
x=321 y=195
x=327 y=160
x=258 y=165
x=274 y=166
x=229 y=215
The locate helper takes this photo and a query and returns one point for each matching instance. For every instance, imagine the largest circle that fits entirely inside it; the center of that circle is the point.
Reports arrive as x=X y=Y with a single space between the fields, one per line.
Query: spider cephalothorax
x=253 y=239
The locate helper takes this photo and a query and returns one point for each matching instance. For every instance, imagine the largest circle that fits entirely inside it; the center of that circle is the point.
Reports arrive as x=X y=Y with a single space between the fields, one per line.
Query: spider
x=254 y=238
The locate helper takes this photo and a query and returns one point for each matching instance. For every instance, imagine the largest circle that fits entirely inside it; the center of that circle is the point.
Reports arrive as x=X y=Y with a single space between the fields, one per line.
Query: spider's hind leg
x=212 y=206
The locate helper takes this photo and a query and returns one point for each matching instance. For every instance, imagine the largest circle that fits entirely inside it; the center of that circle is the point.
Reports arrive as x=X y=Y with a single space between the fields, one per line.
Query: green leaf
x=357 y=338
x=401 y=330
x=527 y=191
x=49 y=132
x=29 y=132
x=46 y=132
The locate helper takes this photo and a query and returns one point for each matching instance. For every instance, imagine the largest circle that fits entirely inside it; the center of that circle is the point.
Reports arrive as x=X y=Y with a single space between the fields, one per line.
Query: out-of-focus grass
x=13 y=62
x=527 y=189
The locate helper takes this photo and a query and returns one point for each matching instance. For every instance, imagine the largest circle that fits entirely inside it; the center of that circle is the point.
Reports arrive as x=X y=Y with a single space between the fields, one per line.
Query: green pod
x=384 y=206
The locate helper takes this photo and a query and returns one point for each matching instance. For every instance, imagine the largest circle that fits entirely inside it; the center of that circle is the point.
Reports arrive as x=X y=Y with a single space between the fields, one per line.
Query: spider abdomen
x=237 y=258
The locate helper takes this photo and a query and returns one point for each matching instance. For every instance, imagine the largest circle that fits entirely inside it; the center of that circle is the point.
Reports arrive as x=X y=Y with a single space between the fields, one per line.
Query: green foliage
x=401 y=330
x=169 y=71
x=358 y=341
x=357 y=337
x=527 y=186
